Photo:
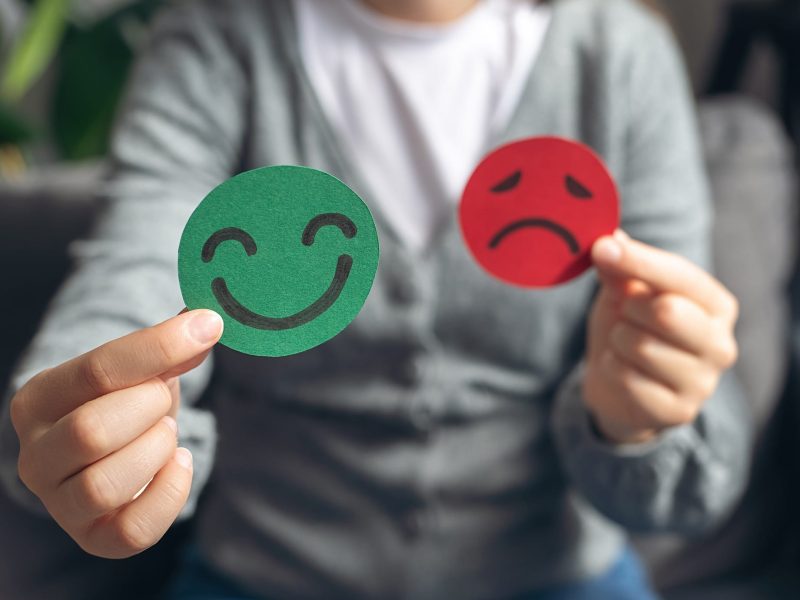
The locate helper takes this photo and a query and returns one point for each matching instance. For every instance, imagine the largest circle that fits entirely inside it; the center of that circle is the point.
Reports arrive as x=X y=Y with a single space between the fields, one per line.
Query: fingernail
x=184 y=458
x=170 y=422
x=205 y=326
x=621 y=235
x=608 y=250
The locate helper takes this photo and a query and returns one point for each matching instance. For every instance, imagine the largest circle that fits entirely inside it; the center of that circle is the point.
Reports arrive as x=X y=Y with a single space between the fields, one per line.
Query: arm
x=653 y=431
x=688 y=468
x=179 y=135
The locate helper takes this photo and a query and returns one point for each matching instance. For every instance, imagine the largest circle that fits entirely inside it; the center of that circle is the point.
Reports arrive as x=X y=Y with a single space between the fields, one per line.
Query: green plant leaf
x=36 y=47
x=94 y=64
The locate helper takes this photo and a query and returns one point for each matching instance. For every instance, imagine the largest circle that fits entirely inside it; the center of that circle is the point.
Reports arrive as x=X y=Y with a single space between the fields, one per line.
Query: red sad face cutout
x=533 y=209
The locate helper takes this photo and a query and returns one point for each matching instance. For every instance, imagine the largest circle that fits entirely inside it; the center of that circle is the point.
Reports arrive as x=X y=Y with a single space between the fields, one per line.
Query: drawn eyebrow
x=508 y=184
x=224 y=235
x=576 y=189
x=347 y=227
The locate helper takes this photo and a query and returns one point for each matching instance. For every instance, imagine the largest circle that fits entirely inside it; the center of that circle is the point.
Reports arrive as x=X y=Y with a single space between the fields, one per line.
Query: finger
x=172 y=379
x=113 y=481
x=99 y=427
x=187 y=366
x=685 y=374
x=125 y=362
x=621 y=288
x=642 y=402
x=27 y=425
x=607 y=309
x=663 y=271
x=143 y=522
x=682 y=323
x=603 y=315
x=174 y=386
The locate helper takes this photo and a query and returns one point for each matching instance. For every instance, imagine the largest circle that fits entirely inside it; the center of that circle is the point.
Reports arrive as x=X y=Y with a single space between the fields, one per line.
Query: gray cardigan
x=439 y=446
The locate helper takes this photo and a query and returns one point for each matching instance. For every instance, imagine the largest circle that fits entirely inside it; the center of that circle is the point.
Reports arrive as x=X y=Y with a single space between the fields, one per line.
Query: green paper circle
x=286 y=255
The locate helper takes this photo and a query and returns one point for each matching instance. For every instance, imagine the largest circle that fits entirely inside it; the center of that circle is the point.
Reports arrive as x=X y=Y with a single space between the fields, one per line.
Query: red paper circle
x=533 y=208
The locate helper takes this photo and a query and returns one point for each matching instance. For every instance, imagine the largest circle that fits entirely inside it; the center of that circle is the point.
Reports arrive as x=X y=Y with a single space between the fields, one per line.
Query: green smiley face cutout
x=286 y=255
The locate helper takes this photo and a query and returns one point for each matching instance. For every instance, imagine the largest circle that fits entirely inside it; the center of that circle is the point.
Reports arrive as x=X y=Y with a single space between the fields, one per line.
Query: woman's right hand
x=98 y=435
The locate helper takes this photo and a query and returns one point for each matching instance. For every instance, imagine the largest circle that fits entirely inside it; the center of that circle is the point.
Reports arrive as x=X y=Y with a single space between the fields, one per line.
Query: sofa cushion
x=753 y=179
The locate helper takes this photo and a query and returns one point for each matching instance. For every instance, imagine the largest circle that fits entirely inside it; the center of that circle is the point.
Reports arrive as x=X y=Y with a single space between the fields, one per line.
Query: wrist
x=617 y=434
x=610 y=425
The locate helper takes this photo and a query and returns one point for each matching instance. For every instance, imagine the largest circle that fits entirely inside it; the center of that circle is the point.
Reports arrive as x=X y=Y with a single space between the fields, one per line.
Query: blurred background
x=63 y=68
x=65 y=62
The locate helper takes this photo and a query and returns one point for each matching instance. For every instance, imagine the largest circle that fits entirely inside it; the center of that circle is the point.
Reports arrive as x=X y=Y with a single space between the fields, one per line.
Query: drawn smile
x=247 y=317
x=559 y=230
x=244 y=315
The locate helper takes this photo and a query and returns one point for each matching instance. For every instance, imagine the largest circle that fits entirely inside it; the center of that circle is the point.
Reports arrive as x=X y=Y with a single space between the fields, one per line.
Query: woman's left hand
x=660 y=337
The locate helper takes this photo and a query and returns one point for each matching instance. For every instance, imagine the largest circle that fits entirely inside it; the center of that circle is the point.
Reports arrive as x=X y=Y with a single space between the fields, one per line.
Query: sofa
x=753 y=554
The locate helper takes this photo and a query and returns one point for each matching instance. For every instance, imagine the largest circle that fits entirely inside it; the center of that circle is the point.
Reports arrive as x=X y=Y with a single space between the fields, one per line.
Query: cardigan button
x=416 y=369
x=416 y=522
x=402 y=293
x=413 y=370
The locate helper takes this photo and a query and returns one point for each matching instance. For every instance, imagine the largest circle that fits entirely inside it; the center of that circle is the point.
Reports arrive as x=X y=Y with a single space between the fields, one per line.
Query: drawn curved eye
x=228 y=234
x=508 y=184
x=576 y=189
x=347 y=227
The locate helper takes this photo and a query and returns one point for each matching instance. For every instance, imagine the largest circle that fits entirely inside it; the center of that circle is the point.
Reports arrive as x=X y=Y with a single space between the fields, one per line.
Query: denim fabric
x=626 y=580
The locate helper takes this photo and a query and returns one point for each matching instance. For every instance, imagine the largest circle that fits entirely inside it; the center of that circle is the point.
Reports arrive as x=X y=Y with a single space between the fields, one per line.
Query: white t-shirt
x=414 y=105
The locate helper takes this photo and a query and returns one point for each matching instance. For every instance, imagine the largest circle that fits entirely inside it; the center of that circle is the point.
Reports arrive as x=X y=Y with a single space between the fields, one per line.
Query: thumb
x=175 y=370
x=172 y=377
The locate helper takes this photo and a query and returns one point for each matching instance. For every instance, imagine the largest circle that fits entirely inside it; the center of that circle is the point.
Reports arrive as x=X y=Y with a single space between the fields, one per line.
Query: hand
x=98 y=435
x=660 y=337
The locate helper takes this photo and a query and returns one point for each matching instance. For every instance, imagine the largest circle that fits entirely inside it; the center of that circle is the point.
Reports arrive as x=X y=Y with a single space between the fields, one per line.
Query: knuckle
x=728 y=353
x=20 y=404
x=666 y=311
x=26 y=469
x=18 y=410
x=701 y=388
x=164 y=440
x=135 y=533
x=96 y=492
x=707 y=385
x=639 y=344
x=732 y=307
x=87 y=432
x=629 y=341
x=89 y=547
x=160 y=392
x=97 y=375
x=685 y=413
x=167 y=439
x=628 y=382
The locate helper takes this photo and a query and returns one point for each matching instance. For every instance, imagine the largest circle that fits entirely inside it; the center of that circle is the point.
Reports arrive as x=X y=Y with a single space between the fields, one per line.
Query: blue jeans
x=626 y=580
